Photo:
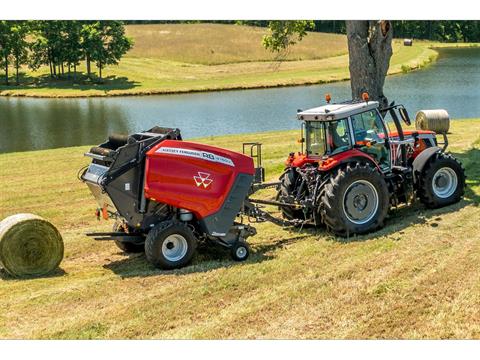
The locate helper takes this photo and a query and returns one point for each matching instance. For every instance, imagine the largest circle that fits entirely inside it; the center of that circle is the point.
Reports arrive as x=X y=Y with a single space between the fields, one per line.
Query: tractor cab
x=334 y=132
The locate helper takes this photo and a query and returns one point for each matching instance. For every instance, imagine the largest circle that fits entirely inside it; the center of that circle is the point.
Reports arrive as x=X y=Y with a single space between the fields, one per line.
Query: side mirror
x=404 y=114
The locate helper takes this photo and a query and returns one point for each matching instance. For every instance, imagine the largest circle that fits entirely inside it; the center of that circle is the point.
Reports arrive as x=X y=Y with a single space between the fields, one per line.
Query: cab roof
x=331 y=112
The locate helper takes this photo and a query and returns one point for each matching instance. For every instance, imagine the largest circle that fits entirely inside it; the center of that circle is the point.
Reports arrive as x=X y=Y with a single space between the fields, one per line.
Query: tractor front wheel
x=355 y=200
x=287 y=193
x=441 y=182
x=170 y=245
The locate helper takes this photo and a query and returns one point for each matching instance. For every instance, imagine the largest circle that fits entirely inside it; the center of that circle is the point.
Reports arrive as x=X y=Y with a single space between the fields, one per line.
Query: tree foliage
x=59 y=44
x=284 y=33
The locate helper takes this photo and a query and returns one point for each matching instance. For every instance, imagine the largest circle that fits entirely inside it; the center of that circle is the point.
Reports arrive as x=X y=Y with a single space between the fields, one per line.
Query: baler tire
x=154 y=244
x=240 y=251
x=286 y=188
x=438 y=162
x=332 y=204
x=126 y=246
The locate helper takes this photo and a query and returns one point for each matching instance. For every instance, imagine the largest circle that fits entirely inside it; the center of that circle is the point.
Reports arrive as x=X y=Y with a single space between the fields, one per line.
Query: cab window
x=315 y=137
x=370 y=136
x=368 y=127
x=338 y=139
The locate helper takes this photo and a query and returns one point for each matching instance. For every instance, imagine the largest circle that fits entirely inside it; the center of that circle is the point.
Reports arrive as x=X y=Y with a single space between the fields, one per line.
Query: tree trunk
x=68 y=71
x=63 y=73
x=74 y=72
x=370 y=50
x=51 y=70
x=88 y=66
x=54 y=70
x=6 y=70
x=16 y=69
x=100 y=71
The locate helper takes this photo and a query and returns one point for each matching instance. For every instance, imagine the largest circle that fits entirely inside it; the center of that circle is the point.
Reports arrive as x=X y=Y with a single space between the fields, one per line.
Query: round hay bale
x=29 y=246
x=434 y=120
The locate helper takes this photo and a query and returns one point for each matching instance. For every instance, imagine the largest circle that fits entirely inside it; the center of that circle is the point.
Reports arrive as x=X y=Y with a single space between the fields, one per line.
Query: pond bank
x=149 y=76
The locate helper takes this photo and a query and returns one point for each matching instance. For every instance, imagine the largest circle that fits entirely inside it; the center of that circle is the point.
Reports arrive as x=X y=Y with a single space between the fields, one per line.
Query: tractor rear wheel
x=355 y=200
x=441 y=182
x=170 y=245
x=287 y=192
x=127 y=247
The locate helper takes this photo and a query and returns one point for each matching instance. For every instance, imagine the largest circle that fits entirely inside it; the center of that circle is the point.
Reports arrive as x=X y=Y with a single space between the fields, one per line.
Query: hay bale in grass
x=435 y=120
x=29 y=246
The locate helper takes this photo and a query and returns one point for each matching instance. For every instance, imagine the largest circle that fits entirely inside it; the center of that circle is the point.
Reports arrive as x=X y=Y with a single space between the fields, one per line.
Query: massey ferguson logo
x=202 y=179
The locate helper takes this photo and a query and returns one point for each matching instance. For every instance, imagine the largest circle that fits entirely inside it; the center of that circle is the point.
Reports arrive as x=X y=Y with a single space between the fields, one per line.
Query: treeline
x=61 y=45
x=438 y=30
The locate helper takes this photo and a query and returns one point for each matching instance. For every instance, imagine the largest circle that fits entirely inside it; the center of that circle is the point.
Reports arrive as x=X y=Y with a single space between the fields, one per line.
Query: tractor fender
x=422 y=159
x=346 y=160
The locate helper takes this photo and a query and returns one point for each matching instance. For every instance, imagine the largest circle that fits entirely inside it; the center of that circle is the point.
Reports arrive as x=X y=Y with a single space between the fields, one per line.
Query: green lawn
x=202 y=57
x=416 y=278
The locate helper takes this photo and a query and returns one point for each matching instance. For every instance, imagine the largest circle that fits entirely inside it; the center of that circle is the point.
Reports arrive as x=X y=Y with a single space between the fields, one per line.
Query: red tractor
x=167 y=195
x=354 y=167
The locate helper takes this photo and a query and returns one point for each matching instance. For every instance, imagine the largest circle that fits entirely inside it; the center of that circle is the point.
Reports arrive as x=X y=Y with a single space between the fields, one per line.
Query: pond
x=452 y=83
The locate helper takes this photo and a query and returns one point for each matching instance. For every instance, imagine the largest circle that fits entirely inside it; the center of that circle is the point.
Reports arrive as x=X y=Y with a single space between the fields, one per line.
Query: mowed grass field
x=170 y=58
x=419 y=277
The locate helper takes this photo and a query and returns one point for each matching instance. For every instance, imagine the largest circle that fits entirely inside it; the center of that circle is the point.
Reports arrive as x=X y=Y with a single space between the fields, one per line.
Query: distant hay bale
x=29 y=246
x=407 y=42
x=435 y=120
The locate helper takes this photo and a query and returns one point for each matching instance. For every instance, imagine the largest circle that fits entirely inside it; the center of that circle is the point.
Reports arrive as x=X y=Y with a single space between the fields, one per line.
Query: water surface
x=451 y=83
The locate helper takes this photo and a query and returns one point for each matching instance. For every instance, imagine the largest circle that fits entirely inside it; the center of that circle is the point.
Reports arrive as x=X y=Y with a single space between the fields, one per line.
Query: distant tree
x=5 y=46
x=19 y=45
x=91 y=43
x=47 y=46
x=72 y=50
x=114 y=44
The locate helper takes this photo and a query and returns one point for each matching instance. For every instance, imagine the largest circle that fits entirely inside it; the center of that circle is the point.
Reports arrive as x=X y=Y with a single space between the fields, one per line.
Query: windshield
x=327 y=137
x=315 y=132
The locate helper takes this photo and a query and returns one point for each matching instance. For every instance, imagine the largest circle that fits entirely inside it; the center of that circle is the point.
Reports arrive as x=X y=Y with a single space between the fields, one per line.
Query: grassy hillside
x=212 y=44
x=201 y=57
x=416 y=278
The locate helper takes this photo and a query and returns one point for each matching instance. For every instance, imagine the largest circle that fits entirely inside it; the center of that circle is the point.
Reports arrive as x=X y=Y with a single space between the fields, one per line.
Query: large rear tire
x=126 y=246
x=441 y=182
x=287 y=192
x=355 y=201
x=170 y=245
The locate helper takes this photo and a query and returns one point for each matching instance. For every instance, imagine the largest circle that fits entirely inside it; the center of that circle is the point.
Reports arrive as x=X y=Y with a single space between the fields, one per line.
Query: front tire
x=170 y=245
x=441 y=182
x=355 y=201
x=126 y=246
x=287 y=192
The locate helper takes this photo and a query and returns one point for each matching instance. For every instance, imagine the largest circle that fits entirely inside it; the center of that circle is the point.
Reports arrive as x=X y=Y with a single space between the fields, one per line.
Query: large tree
x=369 y=48
x=5 y=46
x=19 y=31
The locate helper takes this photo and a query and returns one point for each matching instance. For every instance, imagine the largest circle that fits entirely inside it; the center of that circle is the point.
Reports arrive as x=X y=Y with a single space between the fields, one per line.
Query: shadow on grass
x=81 y=83
x=56 y=273
x=207 y=258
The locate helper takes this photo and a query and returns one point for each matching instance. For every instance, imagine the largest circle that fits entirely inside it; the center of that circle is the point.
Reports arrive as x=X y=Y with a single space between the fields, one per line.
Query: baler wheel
x=442 y=181
x=240 y=251
x=170 y=245
x=125 y=246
